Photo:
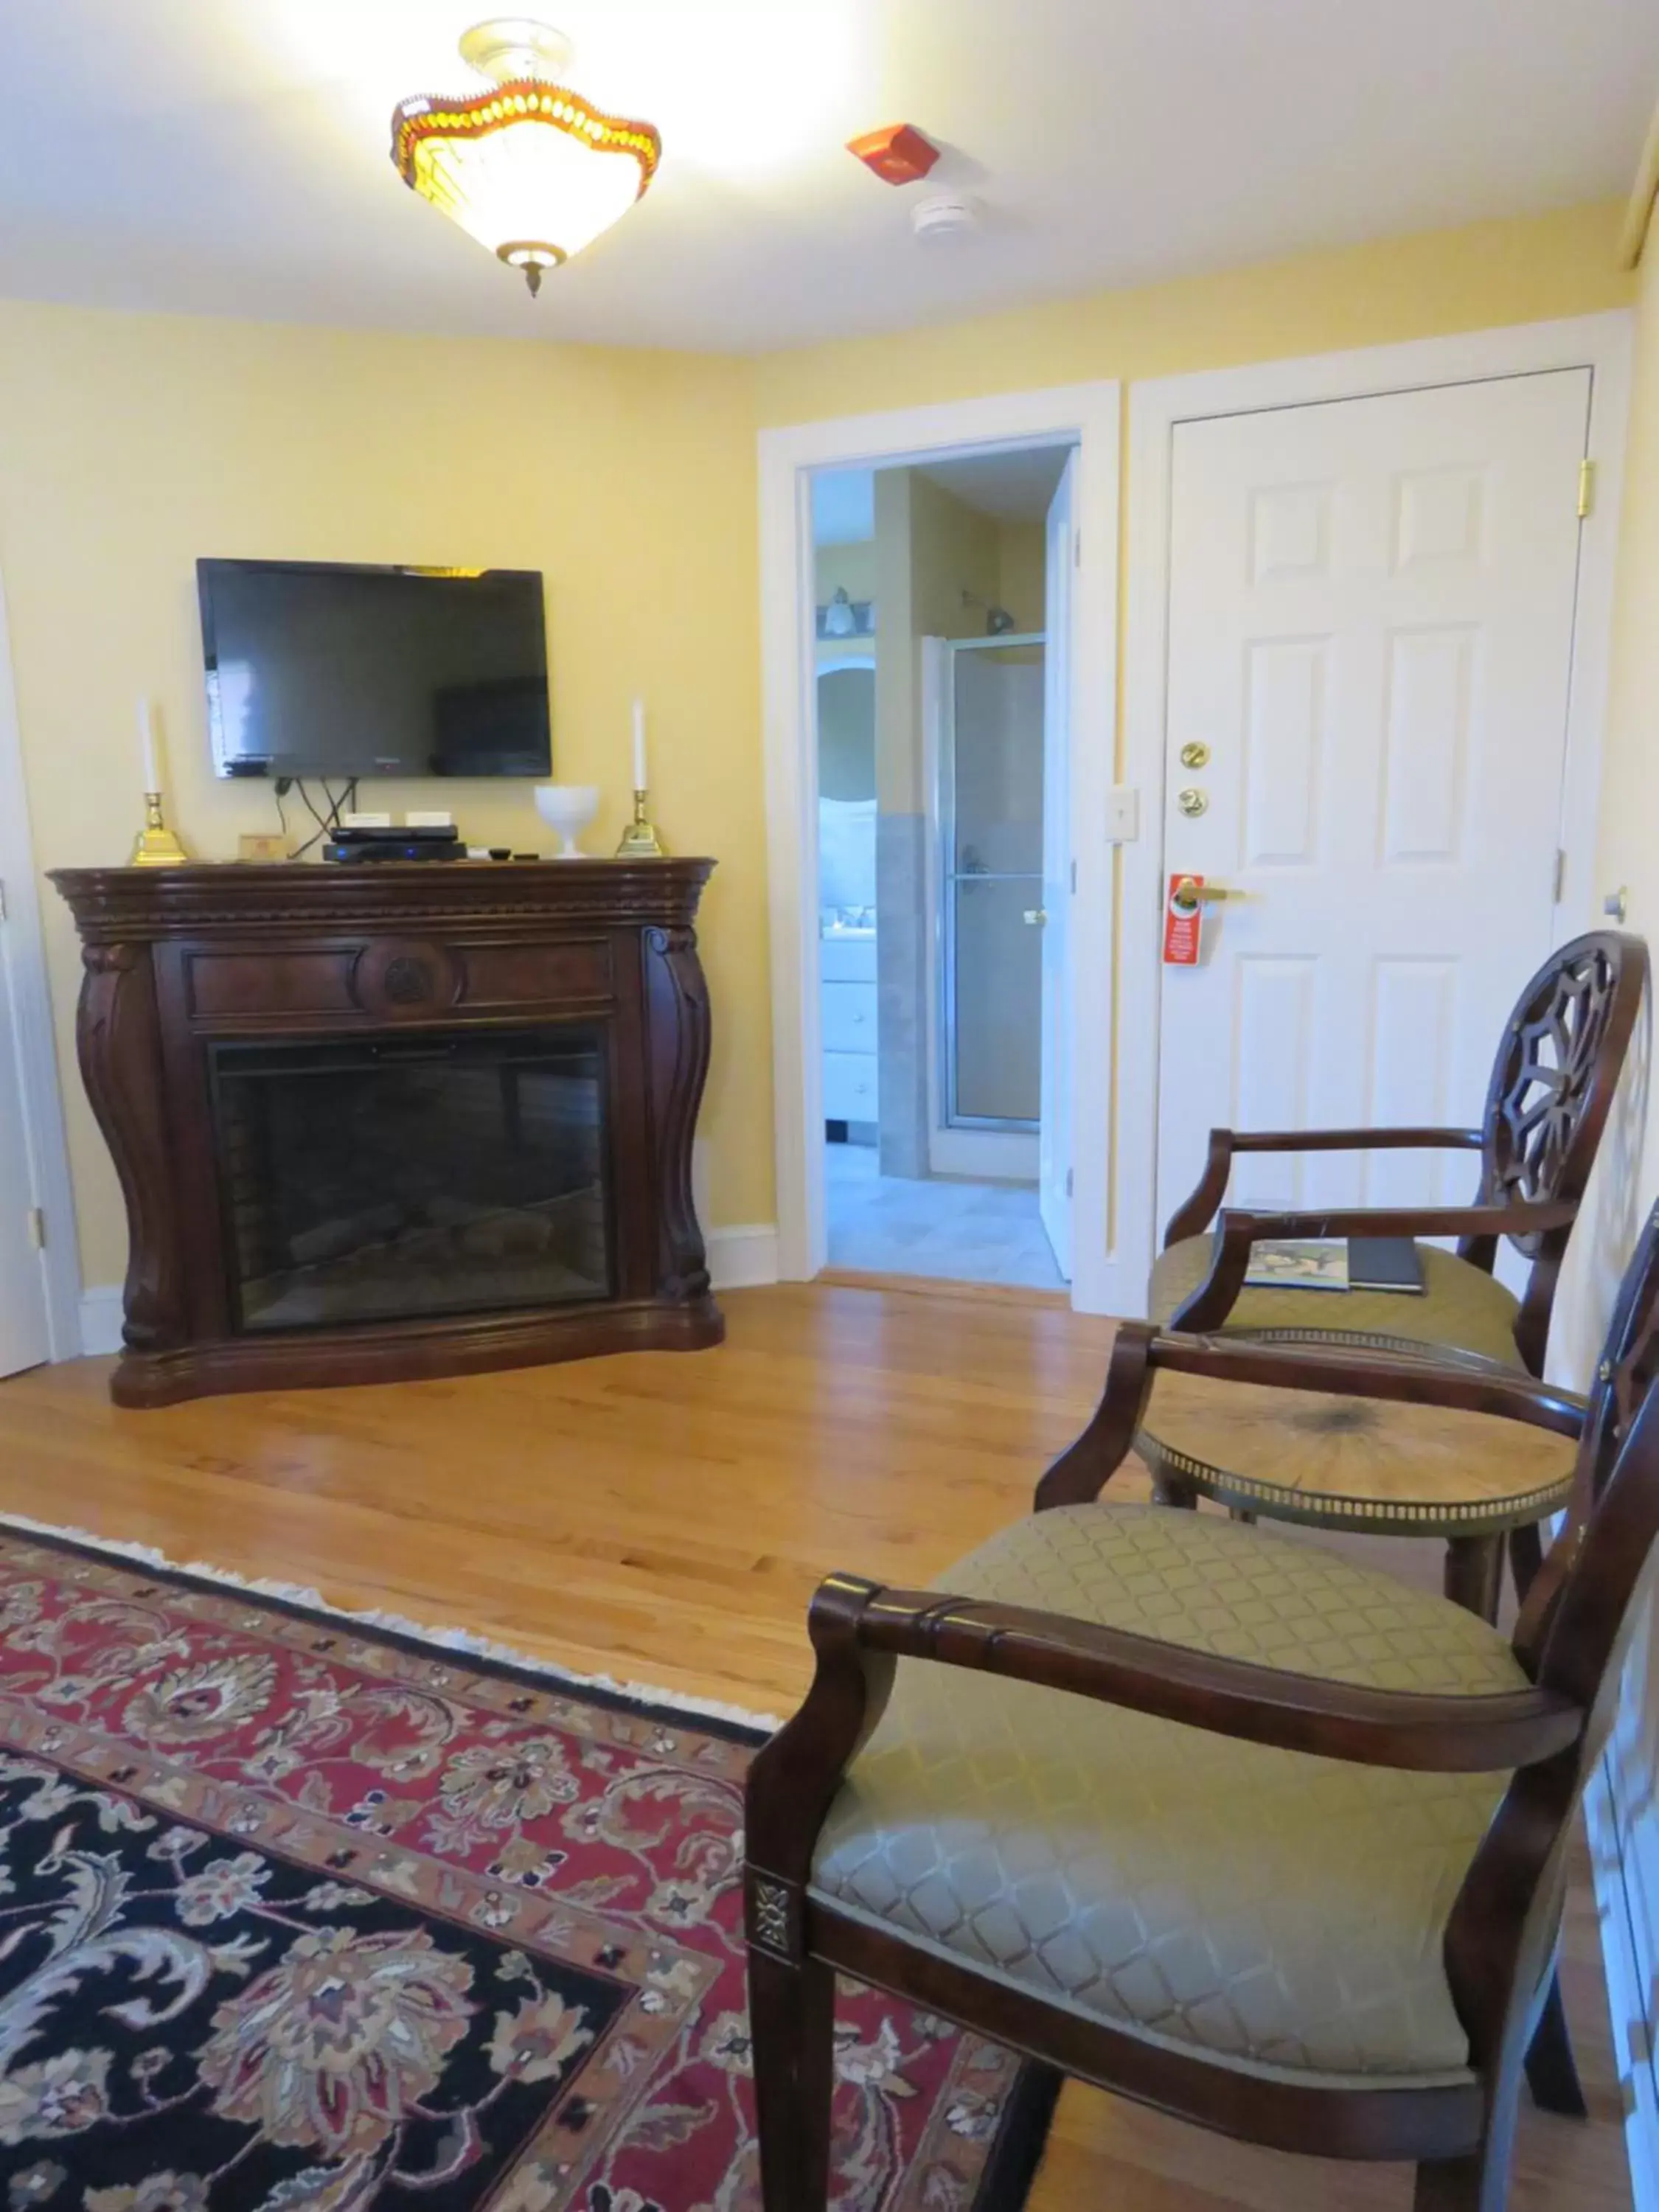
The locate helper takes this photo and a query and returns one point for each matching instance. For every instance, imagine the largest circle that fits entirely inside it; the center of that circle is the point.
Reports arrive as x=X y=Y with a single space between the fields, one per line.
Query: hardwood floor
x=664 y=1519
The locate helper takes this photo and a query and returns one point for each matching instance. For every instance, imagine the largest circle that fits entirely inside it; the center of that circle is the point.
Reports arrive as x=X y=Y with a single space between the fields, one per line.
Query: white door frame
x=22 y=948
x=1602 y=343
x=1088 y=414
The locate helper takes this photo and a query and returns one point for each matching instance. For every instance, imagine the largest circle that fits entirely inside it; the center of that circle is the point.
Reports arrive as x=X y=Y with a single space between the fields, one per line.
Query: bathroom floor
x=976 y=1232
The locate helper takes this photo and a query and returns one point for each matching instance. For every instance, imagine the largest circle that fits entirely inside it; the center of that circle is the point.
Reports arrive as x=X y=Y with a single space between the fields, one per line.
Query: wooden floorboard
x=664 y=1519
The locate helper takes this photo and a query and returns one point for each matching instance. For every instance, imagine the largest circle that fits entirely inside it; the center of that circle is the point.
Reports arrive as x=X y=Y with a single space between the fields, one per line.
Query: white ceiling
x=1012 y=487
x=229 y=156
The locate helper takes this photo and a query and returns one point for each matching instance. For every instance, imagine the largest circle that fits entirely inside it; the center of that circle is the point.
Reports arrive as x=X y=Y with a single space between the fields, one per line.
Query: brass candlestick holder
x=640 y=840
x=156 y=846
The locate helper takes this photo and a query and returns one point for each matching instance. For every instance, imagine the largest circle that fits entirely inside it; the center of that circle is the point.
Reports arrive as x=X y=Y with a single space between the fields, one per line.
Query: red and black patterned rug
x=301 y=1915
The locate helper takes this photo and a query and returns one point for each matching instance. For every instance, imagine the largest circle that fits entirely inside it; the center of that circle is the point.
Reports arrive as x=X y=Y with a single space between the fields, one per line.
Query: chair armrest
x=1235 y=1698
x=1347 y=1371
x=1197 y=1212
x=1214 y=1300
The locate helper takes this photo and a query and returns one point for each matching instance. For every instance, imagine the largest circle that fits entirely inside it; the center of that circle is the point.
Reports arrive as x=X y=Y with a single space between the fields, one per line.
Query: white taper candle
x=147 y=741
x=639 y=746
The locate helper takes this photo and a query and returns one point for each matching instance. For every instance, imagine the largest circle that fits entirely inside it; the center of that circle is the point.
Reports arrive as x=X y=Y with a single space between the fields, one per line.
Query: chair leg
x=1551 y=2071
x=1450 y=2185
x=1474 y=1574
x=1479 y=2183
x=792 y=2011
x=1526 y=1557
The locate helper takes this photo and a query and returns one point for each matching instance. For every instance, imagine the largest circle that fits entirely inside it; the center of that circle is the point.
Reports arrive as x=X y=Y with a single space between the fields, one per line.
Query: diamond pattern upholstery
x=1461 y=1307
x=1282 y=1913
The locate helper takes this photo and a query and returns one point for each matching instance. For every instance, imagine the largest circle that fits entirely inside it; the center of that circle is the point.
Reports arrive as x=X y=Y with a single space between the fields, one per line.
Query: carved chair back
x=1557 y=1069
x=1582 y=1611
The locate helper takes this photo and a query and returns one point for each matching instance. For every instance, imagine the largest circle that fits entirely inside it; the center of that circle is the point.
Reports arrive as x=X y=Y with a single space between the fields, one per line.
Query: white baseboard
x=1629 y=1979
x=740 y=1259
x=101 y=1321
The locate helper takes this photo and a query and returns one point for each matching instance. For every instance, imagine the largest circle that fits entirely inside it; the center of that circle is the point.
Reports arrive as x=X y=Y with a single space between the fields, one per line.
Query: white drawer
x=849 y=1086
x=849 y=1016
x=848 y=959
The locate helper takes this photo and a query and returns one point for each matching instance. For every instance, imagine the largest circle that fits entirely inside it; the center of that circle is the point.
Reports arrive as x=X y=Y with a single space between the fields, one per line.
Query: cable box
x=405 y=845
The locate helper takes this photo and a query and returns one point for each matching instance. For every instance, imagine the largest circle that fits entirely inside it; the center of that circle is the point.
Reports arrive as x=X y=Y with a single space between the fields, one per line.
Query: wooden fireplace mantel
x=180 y=959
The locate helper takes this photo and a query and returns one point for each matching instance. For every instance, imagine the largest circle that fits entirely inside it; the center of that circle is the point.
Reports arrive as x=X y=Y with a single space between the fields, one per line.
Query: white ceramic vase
x=568 y=808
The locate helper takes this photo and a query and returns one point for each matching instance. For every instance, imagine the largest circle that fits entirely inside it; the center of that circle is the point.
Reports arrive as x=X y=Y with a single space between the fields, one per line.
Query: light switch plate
x=1122 y=814
x=429 y=818
x=359 y=819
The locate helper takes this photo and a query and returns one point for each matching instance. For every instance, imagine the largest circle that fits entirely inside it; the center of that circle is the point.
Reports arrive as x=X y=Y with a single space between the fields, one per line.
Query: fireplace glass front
x=388 y=1178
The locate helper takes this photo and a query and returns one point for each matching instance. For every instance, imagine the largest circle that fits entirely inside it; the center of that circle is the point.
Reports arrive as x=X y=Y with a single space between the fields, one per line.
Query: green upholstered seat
x=1463 y=1308
x=1283 y=1914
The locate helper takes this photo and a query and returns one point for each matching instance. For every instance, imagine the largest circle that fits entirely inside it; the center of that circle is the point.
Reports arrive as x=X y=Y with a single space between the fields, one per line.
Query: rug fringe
x=399 y=1624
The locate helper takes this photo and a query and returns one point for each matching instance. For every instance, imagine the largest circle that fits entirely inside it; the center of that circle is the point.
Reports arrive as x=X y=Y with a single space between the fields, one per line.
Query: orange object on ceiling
x=898 y=154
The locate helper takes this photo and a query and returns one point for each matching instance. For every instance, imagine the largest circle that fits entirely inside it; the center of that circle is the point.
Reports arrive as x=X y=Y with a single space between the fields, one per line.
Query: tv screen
x=323 y=670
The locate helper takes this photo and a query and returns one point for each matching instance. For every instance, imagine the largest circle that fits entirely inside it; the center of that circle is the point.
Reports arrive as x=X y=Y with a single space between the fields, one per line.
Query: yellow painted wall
x=850 y=568
x=1021 y=557
x=129 y=444
x=1520 y=270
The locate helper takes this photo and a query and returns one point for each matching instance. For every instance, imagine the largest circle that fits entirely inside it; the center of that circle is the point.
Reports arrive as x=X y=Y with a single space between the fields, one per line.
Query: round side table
x=1378 y=1466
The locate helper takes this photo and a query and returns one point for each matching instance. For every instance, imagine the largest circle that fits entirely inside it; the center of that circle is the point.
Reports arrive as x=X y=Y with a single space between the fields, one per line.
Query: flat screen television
x=321 y=669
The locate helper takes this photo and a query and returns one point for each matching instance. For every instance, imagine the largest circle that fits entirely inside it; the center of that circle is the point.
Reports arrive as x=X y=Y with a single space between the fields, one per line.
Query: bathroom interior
x=940 y=695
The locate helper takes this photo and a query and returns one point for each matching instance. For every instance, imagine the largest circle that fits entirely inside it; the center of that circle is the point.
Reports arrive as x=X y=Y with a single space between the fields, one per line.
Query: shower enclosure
x=988 y=981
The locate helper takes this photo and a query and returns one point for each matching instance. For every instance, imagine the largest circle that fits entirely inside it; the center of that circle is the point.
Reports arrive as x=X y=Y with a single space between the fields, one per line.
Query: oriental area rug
x=300 y=1915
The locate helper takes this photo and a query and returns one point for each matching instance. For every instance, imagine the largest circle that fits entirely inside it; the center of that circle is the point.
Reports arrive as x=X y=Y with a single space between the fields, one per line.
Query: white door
x=1370 y=644
x=25 y=1340
x=1055 y=1136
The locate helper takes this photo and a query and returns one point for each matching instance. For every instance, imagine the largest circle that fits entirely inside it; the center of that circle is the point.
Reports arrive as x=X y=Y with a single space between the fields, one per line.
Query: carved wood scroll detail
x=400 y=976
x=119 y=1042
x=678 y=993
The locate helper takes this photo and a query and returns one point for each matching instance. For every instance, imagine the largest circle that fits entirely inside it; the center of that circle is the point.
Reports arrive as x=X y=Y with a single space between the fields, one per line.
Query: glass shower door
x=991 y=834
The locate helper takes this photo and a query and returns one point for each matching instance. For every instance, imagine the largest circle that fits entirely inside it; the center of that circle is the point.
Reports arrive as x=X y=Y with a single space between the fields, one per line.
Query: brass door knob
x=1036 y=916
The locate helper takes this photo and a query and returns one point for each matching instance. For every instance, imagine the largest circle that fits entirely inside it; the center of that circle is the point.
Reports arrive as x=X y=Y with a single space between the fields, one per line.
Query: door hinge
x=38 y=1228
x=1586 y=488
x=1068 y=1183
x=1560 y=872
x=1074 y=879
x=3 y=900
x=1077 y=548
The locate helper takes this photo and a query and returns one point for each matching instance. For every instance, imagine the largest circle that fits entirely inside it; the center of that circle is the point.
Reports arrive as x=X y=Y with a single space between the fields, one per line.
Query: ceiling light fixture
x=529 y=168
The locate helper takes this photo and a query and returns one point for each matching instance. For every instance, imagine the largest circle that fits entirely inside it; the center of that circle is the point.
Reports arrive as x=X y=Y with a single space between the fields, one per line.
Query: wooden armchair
x=1221 y=1822
x=1553 y=1084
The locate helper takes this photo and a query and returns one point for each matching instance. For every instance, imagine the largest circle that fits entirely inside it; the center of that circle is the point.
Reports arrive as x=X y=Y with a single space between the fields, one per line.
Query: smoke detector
x=944 y=215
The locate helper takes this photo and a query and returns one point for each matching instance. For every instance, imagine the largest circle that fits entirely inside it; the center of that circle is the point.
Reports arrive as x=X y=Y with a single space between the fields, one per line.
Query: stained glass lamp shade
x=529 y=168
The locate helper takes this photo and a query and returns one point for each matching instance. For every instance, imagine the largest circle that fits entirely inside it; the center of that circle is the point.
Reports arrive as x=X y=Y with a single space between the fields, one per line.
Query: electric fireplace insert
x=389 y=1178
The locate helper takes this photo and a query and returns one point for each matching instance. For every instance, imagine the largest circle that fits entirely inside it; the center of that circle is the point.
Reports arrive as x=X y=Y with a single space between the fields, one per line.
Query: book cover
x=1298 y=1263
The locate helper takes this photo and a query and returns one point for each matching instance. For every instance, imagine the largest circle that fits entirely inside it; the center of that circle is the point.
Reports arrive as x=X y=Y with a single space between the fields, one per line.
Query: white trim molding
x=100 y=1314
x=744 y=1258
x=1600 y=343
x=1088 y=416
x=23 y=949
x=1630 y=1979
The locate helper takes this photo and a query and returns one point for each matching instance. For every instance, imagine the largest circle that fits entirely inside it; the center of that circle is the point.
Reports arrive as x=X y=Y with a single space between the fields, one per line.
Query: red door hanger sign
x=1184 y=921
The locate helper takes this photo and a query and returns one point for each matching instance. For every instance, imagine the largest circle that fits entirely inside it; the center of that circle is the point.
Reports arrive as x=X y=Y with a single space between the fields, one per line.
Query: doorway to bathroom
x=942 y=689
